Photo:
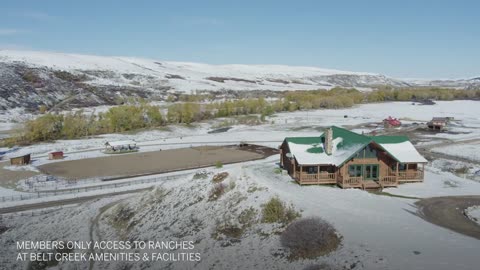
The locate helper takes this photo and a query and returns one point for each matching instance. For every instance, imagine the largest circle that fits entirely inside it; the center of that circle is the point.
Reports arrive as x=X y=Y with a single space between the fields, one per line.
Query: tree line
x=138 y=115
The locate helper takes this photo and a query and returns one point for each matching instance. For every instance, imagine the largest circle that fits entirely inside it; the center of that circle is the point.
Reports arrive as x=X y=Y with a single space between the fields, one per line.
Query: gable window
x=370 y=152
x=355 y=170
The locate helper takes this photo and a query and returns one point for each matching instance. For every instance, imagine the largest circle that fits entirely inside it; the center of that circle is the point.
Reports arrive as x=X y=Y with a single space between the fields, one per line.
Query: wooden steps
x=371 y=185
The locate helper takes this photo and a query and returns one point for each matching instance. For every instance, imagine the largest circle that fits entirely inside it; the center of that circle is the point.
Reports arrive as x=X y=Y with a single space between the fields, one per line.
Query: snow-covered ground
x=467 y=150
x=436 y=184
x=473 y=213
x=379 y=231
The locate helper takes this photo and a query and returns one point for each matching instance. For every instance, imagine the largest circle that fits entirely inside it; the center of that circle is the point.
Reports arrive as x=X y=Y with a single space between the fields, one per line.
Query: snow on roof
x=121 y=143
x=310 y=150
x=306 y=154
x=403 y=152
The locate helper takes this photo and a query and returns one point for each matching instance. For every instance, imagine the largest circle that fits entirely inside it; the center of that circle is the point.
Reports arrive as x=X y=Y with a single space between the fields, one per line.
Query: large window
x=367 y=152
x=355 y=170
x=401 y=167
x=312 y=170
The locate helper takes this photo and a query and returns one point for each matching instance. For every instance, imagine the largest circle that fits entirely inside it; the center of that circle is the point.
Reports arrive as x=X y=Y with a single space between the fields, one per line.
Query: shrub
x=219 y=177
x=42 y=109
x=31 y=76
x=201 y=175
x=231 y=185
x=227 y=229
x=217 y=191
x=157 y=195
x=462 y=170
x=67 y=76
x=309 y=238
x=276 y=211
x=247 y=216
x=218 y=165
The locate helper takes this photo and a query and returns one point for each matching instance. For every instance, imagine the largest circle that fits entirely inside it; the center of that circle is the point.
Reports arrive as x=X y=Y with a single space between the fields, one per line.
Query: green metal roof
x=349 y=138
x=389 y=139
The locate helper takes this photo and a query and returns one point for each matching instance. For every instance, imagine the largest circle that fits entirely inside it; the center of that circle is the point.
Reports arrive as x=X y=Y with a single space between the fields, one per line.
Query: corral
x=155 y=162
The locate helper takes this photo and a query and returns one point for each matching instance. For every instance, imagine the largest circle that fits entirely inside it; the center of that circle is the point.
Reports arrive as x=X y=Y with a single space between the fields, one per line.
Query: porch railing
x=352 y=180
x=389 y=180
x=317 y=178
x=410 y=175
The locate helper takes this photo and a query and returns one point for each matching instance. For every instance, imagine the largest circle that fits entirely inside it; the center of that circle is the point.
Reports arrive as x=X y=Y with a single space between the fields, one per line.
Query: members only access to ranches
x=75 y=251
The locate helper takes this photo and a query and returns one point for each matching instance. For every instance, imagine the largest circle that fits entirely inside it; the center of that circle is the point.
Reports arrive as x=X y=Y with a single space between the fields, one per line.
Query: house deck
x=359 y=182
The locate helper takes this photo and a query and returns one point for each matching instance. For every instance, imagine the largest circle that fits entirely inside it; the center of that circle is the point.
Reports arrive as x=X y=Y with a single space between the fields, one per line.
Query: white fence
x=44 y=194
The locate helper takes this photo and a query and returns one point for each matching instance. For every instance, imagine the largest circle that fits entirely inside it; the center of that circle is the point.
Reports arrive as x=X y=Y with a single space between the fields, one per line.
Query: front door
x=371 y=172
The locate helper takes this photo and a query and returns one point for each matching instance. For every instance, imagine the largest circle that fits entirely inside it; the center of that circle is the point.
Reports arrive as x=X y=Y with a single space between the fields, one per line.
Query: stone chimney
x=328 y=141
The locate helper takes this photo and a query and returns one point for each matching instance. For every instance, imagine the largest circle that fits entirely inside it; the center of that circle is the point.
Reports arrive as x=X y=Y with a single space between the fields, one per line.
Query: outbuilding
x=439 y=123
x=55 y=155
x=20 y=160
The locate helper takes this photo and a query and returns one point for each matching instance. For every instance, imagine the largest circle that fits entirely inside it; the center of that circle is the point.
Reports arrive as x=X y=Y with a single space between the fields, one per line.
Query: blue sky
x=404 y=38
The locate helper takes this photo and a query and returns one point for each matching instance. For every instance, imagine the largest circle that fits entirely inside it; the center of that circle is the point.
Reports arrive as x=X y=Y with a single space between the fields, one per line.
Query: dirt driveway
x=448 y=212
x=153 y=162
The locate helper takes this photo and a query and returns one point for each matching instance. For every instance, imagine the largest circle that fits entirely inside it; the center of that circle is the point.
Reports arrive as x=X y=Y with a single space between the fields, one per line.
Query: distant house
x=345 y=158
x=391 y=122
x=55 y=155
x=20 y=160
x=121 y=146
x=439 y=123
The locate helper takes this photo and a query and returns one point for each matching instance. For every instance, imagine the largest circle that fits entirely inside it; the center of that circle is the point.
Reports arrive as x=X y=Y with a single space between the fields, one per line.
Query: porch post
x=423 y=171
x=281 y=157
x=301 y=172
x=294 y=169
x=318 y=173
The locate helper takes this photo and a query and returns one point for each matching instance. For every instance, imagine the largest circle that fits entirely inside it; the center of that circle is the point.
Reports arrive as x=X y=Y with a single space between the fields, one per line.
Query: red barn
x=55 y=155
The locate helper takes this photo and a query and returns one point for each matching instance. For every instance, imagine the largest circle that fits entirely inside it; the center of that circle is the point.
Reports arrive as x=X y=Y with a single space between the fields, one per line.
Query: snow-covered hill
x=183 y=76
x=30 y=78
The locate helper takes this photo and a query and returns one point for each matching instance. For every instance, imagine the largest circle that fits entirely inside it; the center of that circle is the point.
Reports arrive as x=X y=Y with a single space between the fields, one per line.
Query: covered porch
x=365 y=176
x=381 y=175
x=315 y=174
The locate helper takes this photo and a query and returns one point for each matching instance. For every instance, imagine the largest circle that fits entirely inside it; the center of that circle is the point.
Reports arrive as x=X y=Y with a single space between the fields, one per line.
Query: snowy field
x=380 y=231
x=468 y=150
